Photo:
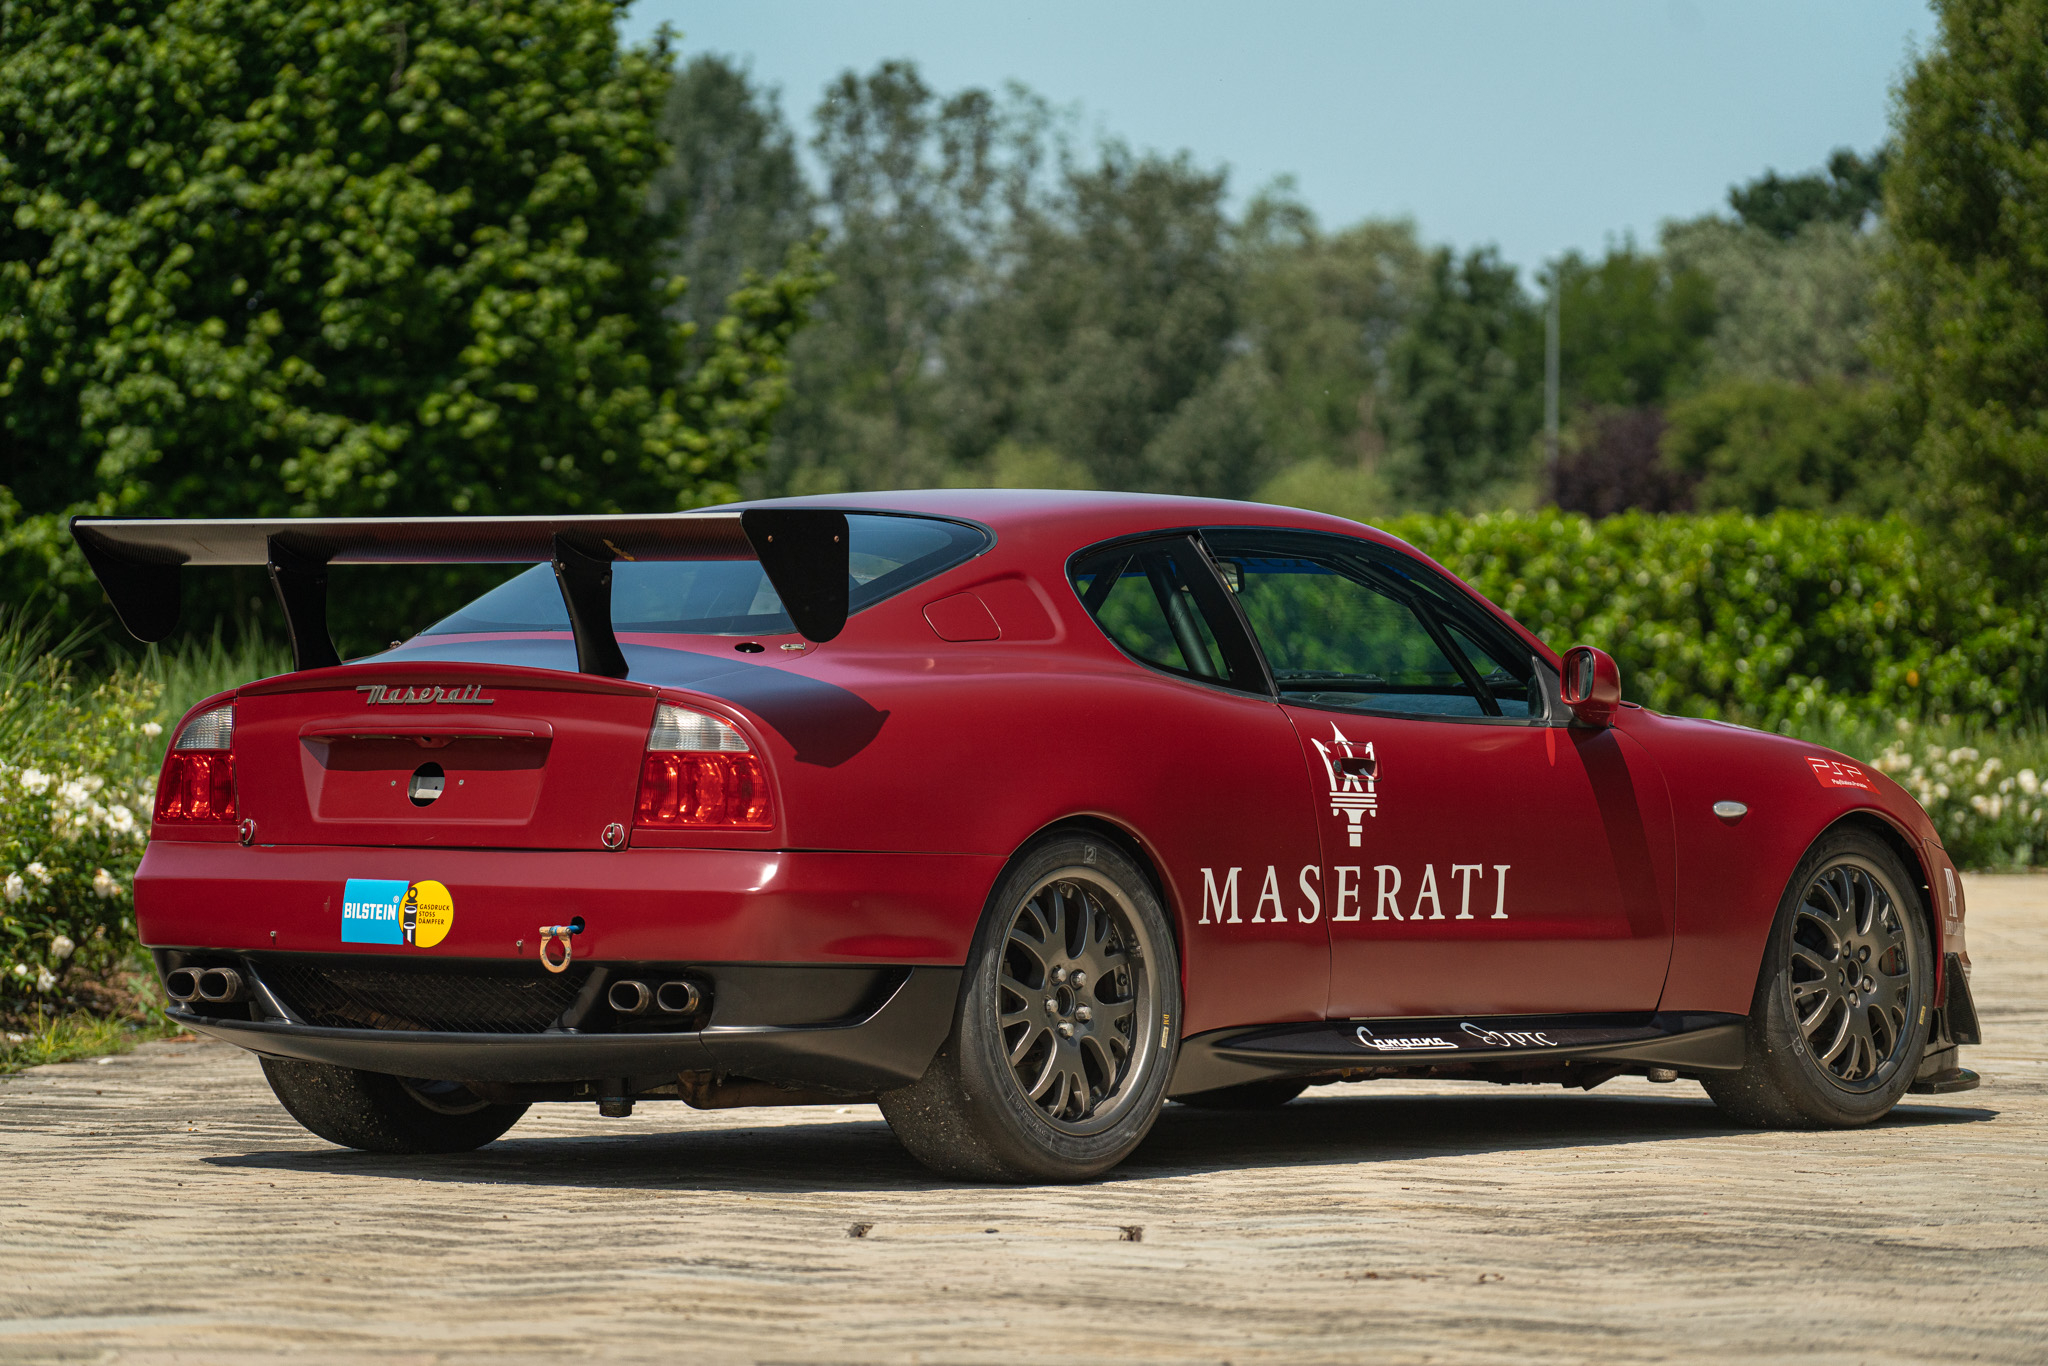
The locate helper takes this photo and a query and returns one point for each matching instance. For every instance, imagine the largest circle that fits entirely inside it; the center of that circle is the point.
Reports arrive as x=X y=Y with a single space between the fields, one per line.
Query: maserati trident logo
x=1353 y=771
x=384 y=695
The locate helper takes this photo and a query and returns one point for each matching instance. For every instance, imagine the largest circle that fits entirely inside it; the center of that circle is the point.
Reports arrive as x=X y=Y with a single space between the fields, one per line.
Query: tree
x=1632 y=327
x=1323 y=310
x=1109 y=336
x=918 y=196
x=341 y=256
x=1795 y=308
x=1757 y=445
x=1965 y=311
x=731 y=184
x=1782 y=206
x=1466 y=380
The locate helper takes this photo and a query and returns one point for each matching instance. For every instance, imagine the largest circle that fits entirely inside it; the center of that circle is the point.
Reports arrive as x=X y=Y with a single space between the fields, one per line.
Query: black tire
x=381 y=1114
x=1828 y=1047
x=1010 y=1097
x=1270 y=1094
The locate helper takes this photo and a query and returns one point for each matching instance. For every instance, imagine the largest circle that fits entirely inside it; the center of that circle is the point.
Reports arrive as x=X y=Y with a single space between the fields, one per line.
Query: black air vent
x=525 y=1000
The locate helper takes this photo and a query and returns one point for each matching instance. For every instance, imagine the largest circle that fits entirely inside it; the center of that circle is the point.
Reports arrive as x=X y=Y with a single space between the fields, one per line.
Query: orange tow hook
x=563 y=935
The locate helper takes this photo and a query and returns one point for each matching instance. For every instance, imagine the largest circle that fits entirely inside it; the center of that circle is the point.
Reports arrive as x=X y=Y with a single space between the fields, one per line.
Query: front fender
x=1732 y=873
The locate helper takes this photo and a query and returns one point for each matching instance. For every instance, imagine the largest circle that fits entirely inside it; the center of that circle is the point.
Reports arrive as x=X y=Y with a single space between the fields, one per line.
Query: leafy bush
x=1787 y=621
x=77 y=768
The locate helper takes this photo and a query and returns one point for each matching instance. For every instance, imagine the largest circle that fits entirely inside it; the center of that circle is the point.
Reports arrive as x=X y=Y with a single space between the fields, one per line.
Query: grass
x=197 y=669
x=69 y=1037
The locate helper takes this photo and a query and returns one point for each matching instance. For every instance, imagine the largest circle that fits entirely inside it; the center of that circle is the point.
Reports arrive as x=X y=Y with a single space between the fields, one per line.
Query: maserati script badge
x=383 y=695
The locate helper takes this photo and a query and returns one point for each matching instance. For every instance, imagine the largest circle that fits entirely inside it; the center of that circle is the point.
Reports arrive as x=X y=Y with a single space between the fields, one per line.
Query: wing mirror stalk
x=1591 y=685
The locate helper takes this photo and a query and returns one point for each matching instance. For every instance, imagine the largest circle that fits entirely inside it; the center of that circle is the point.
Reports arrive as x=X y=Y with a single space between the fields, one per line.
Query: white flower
x=21 y=969
x=2030 y=782
x=61 y=947
x=39 y=873
x=152 y=729
x=34 y=780
x=74 y=793
x=104 y=886
x=45 y=979
x=16 y=1038
x=119 y=819
x=14 y=888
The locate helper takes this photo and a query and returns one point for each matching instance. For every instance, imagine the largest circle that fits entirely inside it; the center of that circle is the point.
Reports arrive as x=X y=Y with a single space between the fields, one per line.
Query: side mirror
x=1591 y=685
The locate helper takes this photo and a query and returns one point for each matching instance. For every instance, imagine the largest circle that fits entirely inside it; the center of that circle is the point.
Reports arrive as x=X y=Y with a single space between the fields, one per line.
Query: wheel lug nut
x=1084 y=1014
x=1059 y=974
x=1077 y=979
x=1052 y=1007
x=1066 y=1031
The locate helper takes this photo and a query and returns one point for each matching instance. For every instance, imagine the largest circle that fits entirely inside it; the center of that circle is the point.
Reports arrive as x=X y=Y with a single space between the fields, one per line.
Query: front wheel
x=381 y=1114
x=1065 y=1034
x=1840 y=1016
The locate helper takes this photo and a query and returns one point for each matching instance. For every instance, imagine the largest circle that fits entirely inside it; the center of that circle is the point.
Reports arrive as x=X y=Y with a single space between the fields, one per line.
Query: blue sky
x=1535 y=126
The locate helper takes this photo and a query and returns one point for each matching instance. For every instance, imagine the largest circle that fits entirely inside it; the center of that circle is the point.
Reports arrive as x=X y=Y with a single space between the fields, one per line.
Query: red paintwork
x=1625 y=893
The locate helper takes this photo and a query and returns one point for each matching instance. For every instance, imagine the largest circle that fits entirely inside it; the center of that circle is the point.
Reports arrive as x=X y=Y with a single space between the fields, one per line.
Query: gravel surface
x=162 y=1208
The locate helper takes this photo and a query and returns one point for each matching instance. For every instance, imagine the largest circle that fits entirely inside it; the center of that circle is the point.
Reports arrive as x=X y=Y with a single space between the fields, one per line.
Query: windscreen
x=886 y=555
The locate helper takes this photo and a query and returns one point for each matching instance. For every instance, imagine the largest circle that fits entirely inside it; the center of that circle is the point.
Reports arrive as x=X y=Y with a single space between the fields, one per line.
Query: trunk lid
x=460 y=755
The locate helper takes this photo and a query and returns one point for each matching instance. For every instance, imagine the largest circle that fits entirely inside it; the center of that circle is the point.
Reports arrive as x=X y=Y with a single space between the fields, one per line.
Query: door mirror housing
x=1591 y=685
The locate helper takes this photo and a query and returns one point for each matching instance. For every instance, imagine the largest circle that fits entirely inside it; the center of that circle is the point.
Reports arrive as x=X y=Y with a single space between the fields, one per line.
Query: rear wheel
x=382 y=1114
x=1840 y=1016
x=1059 y=1056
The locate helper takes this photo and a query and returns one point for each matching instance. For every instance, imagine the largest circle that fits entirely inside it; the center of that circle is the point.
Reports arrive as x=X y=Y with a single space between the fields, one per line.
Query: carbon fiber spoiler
x=140 y=561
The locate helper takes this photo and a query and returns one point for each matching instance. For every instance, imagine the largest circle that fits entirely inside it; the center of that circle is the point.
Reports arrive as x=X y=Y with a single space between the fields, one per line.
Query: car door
x=1230 y=805
x=1479 y=855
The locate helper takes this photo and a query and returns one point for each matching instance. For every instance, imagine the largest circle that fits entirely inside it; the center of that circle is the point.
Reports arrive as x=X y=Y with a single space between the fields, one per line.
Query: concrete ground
x=160 y=1207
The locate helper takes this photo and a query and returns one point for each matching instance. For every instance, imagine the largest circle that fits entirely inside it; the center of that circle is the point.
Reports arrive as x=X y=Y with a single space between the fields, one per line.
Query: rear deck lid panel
x=471 y=756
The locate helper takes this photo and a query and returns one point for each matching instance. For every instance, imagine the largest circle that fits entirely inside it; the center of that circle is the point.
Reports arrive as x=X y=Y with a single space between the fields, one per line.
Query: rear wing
x=140 y=560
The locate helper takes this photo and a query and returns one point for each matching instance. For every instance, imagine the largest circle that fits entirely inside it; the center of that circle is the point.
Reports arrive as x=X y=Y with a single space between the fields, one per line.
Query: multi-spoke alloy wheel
x=1840 y=1018
x=1069 y=997
x=1068 y=1014
x=1851 y=975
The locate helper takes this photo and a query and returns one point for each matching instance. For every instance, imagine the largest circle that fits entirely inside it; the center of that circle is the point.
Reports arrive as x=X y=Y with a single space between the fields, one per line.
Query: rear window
x=887 y=554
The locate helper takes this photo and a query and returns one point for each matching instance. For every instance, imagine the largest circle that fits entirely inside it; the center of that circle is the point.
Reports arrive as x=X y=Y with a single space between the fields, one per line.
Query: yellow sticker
x=427 y=914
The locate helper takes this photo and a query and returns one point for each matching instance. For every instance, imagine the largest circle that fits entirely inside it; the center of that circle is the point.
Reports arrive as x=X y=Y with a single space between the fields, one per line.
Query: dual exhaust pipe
x=215 y=986
x=629 y=996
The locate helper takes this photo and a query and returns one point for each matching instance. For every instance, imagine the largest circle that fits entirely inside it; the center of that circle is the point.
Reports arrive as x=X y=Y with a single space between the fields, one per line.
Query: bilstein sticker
x=393 y=911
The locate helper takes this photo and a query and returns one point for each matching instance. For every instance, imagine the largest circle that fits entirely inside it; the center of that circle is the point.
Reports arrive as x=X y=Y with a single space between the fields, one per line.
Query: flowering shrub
x=77 y=768
x=1988 y=814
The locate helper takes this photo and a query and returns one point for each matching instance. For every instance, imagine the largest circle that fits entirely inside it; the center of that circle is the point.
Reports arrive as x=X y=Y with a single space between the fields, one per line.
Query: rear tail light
x=198 y=783
x=700 y=774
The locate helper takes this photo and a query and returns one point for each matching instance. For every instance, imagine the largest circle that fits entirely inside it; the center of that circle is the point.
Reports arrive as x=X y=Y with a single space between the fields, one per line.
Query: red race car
x=1019 y=813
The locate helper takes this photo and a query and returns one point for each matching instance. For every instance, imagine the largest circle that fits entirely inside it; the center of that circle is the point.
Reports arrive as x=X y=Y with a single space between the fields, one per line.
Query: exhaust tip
x=629 y=997
x=181 y=984
x=679 y=998
x=218 y=986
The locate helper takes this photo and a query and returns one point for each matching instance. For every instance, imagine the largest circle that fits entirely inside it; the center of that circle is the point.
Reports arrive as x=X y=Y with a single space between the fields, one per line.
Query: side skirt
x=1573 y=1049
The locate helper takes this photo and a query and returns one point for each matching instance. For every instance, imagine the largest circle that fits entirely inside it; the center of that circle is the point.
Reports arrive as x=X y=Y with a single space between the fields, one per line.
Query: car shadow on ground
x=858 y=1153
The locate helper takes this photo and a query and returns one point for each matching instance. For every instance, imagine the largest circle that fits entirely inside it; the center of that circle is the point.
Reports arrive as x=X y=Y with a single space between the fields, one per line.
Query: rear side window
x=886 y=555
x=1161 y=604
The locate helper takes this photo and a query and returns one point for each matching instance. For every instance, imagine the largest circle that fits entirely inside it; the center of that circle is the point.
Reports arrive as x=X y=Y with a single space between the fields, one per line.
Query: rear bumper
x=702 y=905
x=887 y=1044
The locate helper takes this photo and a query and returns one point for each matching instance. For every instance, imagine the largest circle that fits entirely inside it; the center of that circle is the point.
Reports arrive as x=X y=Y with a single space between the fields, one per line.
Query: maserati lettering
x=384 y=695
x=1461 y=894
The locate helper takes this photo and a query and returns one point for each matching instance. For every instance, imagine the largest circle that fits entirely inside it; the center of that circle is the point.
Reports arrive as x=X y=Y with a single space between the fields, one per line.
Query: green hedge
x=1785 y=621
